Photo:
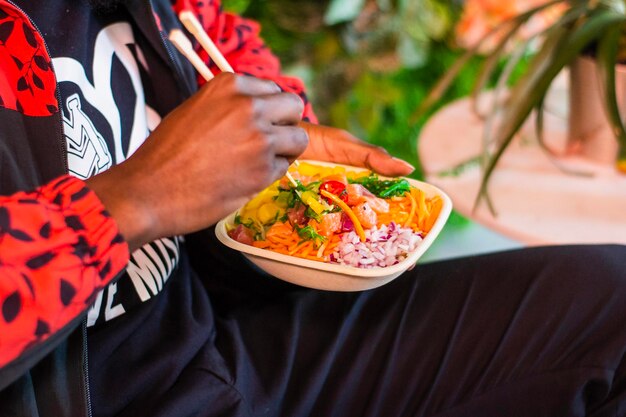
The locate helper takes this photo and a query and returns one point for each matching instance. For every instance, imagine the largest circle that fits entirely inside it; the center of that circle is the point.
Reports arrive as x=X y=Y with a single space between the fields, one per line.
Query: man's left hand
x=336 y=145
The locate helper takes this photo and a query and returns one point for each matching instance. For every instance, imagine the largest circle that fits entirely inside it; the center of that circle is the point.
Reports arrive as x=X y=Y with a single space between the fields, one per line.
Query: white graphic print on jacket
x=90 y=154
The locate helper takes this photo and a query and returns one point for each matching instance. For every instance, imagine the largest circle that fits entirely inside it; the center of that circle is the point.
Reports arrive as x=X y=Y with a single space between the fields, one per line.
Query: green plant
x=585 y=26
x=361 y=59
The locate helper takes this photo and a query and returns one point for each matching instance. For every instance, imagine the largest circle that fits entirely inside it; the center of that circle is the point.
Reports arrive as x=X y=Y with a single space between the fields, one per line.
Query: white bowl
x=334 y=277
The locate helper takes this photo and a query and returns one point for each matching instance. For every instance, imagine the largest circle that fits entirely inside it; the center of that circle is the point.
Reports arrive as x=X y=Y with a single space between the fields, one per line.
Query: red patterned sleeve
x=58 y=248
x=239 y=41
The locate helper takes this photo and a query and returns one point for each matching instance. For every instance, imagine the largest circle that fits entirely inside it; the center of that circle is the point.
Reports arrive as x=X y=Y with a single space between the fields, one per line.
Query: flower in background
x=482 y=16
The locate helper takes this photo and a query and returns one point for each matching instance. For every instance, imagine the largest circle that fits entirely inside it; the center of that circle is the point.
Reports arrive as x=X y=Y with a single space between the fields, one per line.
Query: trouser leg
x=537 y=332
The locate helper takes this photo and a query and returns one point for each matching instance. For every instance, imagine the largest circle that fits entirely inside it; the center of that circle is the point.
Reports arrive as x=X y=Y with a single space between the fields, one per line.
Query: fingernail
x=405 y=163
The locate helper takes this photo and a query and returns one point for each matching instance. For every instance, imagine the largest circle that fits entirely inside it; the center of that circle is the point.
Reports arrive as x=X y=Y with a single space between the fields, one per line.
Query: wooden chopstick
x=183 y=44
x=191 y=22
x=291 y=180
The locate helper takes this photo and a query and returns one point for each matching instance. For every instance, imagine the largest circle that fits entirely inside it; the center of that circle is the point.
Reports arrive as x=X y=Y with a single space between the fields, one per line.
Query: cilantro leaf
x=309 y=233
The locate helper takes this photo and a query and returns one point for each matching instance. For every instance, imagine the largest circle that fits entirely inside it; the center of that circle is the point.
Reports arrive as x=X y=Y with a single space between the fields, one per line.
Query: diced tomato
x=334 y=187
x=336 y=177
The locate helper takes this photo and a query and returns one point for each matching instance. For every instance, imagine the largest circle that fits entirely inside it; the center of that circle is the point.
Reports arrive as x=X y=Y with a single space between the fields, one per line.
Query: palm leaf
x=444 y=82
x=490 y=64
x=501 y=85
x=557 y=51
x=488 y=68
x=541 y=140
x=607 y=60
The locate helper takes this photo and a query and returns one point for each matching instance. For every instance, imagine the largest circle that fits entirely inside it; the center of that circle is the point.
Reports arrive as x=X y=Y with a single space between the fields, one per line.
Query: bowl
x=335 y=277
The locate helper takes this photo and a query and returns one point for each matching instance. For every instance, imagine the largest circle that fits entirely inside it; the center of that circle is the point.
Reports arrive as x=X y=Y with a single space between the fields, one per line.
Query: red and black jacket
x=58 y=245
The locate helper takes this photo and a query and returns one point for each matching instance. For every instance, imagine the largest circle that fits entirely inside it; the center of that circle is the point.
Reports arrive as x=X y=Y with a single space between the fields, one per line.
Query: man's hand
x=336 y=145
x=229 y=141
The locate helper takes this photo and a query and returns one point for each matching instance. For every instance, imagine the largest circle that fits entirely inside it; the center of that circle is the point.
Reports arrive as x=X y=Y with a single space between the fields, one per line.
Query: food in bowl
x=337 y=215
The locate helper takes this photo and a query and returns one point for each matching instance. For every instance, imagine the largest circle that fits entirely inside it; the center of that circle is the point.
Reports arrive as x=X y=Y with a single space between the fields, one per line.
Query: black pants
x=534 y=332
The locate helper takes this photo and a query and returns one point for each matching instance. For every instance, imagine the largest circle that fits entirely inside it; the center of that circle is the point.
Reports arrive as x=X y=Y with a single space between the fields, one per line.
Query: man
x=107 y=310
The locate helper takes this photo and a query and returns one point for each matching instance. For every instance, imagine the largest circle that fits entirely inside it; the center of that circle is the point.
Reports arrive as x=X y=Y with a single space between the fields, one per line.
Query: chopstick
x=291 y=180
x=192 y=24
x=183 y=44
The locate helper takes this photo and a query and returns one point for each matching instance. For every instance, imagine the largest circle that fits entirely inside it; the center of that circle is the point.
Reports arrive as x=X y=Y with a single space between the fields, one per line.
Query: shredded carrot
x=422 y=210
x=436 y=206
x=263 y=244
x=412 y=212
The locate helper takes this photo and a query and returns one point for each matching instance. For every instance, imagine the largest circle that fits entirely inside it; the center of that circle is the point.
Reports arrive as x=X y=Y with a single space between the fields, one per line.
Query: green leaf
x=552 y=154
x=558 y=50
x=236 y=6
x=511 y=26
x=343 y=11
x=607 y=60
x=488 y=68
x=410 y=53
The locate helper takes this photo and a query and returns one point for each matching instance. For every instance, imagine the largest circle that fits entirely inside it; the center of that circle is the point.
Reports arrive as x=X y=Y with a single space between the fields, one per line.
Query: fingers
x=279 y=109
x=376 y=159
x=288 y=141
x=336 y=145
x=252 y=86
x=384 y=164
x=281 y=165
x=269 y=104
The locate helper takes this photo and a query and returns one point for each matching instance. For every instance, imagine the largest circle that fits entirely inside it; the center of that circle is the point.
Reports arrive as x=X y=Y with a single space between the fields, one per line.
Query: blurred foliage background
x=368 y=63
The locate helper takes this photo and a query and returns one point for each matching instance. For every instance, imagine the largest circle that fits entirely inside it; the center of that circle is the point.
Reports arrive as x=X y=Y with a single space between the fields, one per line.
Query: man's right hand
x=208 y=157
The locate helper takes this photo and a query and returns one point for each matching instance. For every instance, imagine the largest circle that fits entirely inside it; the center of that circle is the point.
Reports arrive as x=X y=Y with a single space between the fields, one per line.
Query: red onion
x=383 y=247
x=346 y=224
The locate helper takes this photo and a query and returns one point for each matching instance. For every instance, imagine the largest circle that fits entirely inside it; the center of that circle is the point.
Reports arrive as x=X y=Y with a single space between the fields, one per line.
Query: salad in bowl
x=346 y=222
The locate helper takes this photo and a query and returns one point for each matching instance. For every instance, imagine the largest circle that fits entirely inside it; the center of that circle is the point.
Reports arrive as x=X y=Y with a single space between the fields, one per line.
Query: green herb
x=309 y=233
x=383 y=188
x=300 y=186
x=259 y=231
x=286 y=199
x=314 y=186
x=311 y=214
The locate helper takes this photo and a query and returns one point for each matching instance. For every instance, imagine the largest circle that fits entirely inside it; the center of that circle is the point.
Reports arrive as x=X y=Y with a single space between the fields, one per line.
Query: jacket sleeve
x=58 y=248
x=239 y=41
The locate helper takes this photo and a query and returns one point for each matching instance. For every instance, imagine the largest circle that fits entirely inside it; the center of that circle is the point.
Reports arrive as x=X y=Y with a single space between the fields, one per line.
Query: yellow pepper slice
x=358 y=228
x=310 y=199
x=268 y=212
